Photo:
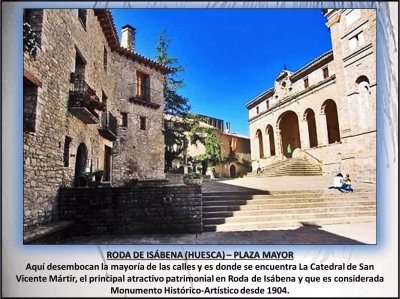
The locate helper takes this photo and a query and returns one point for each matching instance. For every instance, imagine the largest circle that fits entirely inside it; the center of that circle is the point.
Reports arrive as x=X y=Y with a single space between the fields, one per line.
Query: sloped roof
x=106 y=20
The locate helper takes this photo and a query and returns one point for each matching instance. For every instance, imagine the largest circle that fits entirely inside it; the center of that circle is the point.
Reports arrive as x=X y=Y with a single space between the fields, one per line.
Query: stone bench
x=47 y=231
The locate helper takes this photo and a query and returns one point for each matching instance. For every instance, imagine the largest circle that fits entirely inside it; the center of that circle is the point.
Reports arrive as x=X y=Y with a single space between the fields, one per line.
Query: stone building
x=235 y=149
x=326 y=110
x=90 y=102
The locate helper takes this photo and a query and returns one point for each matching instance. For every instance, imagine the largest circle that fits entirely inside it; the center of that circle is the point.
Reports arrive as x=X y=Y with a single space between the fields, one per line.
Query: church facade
x=324 y=112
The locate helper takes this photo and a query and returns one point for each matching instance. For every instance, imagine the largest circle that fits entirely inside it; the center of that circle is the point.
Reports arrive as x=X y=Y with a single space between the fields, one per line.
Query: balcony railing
x=108 y=126
x=144 y=95
x=84 y=103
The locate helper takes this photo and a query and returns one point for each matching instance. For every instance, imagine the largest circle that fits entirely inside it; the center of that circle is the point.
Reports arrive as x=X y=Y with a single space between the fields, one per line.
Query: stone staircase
x=290 y=167
x=243 y=211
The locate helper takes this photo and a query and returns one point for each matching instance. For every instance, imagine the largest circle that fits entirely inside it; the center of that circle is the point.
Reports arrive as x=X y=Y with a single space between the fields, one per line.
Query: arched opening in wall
x=270 y=132
x=363 y=87
x=232 y=171
x=80 y=164
x=332 y=121
x=309 y=115
x=260 y=143
x=288 y=124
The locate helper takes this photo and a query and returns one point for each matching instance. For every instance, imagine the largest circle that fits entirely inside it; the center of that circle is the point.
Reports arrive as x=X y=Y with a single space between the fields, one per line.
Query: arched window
x=363 y=85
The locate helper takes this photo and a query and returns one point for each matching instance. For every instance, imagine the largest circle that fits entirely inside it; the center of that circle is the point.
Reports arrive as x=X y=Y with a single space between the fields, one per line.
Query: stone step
x=254 y=207
x=284 y=192
x=336 y=194
x=284 y=224
x=282 y=201
x=281 y=210
x=286 y=216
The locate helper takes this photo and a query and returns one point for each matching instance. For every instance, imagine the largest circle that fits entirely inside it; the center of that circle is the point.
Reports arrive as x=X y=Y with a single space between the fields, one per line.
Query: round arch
x=329 y=108
x=270 y=132
x=288 y=125
x=260 y=143
x=309 y=116
x=232 y=171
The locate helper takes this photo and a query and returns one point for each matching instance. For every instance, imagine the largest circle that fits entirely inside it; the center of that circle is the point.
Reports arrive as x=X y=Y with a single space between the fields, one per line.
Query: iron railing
x=109 y=124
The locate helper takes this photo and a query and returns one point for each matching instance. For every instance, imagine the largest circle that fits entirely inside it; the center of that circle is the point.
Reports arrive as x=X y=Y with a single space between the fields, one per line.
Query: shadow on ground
x=217 y=186
x=305 y=235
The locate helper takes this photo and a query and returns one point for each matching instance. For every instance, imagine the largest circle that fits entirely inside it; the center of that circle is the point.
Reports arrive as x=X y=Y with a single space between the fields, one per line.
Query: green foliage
x=98 y=172
x=207 y=137
x=192 y=175
x=175 y=105
x=213 y=147
x=88 y=176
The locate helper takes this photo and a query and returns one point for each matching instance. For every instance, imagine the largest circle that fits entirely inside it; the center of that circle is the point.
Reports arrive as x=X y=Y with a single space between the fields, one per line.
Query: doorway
x=232 y=171
x=80 y=163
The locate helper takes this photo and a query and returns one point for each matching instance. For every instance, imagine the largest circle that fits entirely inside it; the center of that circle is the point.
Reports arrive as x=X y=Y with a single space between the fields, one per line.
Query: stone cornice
x=260 y=98
x=293 y=97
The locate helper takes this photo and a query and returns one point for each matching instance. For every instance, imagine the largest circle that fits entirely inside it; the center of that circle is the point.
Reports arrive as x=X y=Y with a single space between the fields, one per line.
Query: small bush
x=192 y=175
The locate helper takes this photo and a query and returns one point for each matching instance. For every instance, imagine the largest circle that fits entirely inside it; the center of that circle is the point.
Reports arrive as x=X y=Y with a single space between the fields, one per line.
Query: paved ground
x=355 y=233
x=281 y=183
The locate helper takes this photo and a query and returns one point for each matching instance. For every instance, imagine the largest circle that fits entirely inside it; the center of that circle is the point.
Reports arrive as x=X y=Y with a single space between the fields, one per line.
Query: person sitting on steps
x=347 y=182
x=338 y=183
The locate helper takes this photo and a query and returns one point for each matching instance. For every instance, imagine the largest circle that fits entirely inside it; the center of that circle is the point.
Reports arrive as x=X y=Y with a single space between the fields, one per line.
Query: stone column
x=267 y=146
x=304 y=134
x=278 y=143
x=322 y=130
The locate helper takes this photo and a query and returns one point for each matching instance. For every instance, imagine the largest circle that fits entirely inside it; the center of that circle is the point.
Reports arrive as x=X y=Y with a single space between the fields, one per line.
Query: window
x=80 y=66
x=30 y=91
x=356 y=41
x=257 y=109
x=142 y=123
x=267 y=103
x=124 y=119
x=67 y=145
x=306 y=83
x=325 y=72
x=82 y=15
x=143 y=86
x=105 y=54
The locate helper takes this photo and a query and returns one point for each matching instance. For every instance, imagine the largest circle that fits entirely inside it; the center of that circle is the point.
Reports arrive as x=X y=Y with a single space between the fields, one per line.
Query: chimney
x=128 y=38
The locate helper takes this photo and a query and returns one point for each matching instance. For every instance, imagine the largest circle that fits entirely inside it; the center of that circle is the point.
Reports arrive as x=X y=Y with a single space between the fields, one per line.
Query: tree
x=176 y=107
x=213 y=149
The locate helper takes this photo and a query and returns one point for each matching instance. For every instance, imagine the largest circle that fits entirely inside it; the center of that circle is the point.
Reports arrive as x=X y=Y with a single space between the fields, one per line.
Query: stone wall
x=53 y=134
x=138 y=209
x=138 y=153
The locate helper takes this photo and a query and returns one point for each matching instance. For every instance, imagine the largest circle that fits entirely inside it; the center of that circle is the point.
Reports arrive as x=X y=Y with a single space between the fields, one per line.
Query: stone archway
x=260 y=143
x=329 y=108
x=309 y=116
x=288 y=125
x=80 y=162
x=232 y=171
x=270 y=132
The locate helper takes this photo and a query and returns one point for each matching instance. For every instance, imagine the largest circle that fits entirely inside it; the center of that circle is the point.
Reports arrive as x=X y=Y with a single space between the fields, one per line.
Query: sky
x=229 y=56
